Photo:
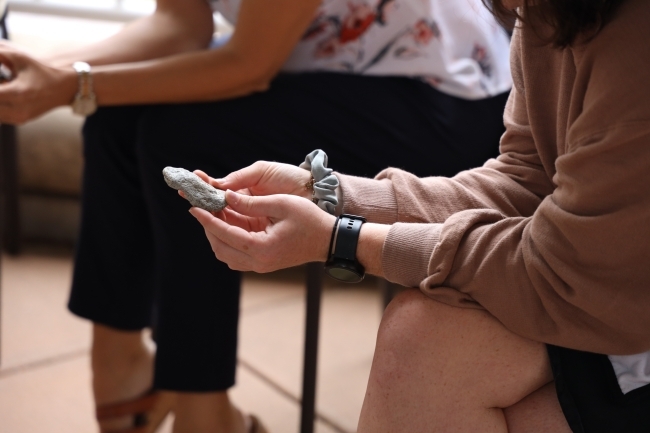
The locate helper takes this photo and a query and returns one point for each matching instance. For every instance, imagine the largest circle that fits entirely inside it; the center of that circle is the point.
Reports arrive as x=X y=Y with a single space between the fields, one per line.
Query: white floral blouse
x=454 y=45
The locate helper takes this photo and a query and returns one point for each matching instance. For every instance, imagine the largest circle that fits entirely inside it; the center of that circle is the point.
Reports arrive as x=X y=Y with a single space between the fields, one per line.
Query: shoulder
x=613 y=66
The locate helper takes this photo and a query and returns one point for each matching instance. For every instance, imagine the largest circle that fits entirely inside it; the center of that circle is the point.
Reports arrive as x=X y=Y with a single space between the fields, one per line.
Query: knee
x=408 y=328
x=417 y=332
x=404 y=316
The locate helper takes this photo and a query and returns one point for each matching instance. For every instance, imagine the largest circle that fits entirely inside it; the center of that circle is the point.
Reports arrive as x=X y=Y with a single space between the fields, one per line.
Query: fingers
x=271 y=206
x=204 y=177
x=247 y=223
x=235 y=259
x=12 y=59
x=244 y=178
x=232 y=236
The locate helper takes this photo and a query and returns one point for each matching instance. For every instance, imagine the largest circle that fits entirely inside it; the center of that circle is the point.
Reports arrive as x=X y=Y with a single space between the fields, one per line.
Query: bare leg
x=439 y=368
x=122 y=365
x=209 y=412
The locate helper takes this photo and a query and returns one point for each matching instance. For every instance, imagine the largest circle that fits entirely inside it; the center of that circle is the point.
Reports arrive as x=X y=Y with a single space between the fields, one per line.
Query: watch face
x=344 y=274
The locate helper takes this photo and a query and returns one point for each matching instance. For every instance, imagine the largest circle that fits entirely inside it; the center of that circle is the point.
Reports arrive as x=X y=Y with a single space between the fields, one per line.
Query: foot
x=207 y=412
x=122 y=365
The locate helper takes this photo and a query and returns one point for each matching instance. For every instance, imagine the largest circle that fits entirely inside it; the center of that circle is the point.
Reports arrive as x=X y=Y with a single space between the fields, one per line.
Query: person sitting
x=533 y=308
x=421 y=84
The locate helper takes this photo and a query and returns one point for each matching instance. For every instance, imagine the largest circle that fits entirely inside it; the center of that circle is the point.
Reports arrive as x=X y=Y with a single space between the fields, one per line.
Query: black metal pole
x=2 y=224
x=314 y=290
x=11 y=223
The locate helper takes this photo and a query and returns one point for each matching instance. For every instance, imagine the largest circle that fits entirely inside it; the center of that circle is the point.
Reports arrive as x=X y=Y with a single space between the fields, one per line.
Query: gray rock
x=197 y=192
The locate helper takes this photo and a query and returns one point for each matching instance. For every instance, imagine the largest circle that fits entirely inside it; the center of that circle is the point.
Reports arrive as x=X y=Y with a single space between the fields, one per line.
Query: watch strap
x=85 y=79
x=347 y=237
x=85 y=102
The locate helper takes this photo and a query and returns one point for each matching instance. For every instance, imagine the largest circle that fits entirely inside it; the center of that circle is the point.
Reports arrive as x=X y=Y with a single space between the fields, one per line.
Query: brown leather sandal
x=148 y=412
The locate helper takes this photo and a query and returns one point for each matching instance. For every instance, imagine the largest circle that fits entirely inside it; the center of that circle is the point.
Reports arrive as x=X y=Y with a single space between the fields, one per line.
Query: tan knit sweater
x=552 y=237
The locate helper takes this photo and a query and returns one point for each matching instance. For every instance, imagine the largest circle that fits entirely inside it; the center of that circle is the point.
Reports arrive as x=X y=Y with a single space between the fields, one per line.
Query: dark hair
x=568 y=18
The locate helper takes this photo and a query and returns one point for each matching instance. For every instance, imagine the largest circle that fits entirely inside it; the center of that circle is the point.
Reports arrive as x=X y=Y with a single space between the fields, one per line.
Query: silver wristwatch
x=84 y=102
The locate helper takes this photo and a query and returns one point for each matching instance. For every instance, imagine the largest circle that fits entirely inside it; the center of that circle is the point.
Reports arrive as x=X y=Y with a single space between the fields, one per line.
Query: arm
x=175 y=27
x=265 y=36
x=575 y=271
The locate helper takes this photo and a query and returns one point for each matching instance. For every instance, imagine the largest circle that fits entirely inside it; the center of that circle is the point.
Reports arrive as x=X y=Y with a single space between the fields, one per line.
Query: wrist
x=67 y=85
x=307 y=182
x=85 y=101
x=370 y=247
x=325 y=183
x=324 y=236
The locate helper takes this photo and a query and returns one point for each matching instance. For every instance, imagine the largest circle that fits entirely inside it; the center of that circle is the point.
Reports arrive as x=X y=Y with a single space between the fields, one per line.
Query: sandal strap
x=136 y=406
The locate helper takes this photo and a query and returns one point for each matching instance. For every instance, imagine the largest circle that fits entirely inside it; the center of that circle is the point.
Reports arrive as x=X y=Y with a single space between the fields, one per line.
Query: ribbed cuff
x=370 y=198
x=407 y=252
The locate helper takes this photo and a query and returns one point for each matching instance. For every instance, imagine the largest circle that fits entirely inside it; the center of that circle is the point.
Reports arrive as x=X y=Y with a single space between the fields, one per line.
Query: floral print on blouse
x=454 y=45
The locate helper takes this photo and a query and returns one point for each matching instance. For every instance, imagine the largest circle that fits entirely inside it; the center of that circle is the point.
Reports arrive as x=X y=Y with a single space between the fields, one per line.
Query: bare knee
x=456 y=350
x=413 y=335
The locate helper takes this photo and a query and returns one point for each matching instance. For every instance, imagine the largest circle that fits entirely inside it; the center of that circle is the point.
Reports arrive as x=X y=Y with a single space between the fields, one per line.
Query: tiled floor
x=44 y=371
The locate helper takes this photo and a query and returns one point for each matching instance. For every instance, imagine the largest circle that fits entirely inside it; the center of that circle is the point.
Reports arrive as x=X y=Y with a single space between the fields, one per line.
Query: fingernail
x=232 y=197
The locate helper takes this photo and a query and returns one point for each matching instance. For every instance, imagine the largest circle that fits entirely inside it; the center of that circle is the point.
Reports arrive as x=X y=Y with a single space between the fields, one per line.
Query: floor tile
x=278 y=414
x=272 y=342
x=52 y=399
x=35 y=321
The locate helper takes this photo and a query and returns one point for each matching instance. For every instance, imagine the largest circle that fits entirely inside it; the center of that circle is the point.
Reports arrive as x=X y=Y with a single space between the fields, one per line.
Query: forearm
x=161 y=34
x=189 y=77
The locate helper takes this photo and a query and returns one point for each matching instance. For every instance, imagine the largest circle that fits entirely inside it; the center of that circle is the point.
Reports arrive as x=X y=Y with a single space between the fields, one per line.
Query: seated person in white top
x=415 y=84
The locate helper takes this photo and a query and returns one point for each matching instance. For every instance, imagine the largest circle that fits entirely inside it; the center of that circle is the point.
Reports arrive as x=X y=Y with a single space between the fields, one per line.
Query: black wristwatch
x=342 y=263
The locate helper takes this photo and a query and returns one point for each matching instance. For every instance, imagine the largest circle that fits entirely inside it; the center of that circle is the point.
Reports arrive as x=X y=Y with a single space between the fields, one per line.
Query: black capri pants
x=143 y=261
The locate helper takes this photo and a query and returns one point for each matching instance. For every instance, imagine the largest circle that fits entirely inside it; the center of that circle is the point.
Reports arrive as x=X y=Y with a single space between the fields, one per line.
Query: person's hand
x=34 y=87
x=264 y=178
x=263 y=234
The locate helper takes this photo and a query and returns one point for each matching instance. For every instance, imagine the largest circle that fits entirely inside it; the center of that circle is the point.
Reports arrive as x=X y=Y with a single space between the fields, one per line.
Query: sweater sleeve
x=576 y=273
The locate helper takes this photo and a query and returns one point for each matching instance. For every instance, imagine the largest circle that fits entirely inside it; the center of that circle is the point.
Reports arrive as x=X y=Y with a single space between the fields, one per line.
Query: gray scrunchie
x=325 y=183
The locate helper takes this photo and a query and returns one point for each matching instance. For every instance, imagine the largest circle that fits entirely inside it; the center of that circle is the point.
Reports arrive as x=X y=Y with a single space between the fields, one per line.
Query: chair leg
x=11 y=222
x=314 y=290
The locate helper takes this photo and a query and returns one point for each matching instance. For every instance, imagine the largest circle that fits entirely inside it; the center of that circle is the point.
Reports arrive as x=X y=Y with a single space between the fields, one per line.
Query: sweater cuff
x=407 y=252
x=370 y=198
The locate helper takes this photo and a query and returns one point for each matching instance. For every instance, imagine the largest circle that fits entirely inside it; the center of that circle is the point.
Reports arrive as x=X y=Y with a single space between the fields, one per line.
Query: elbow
x=262 y=83
x=258 y=76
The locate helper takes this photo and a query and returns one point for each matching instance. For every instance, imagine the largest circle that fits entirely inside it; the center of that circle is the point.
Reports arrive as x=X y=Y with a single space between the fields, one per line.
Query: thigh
x=443 y=368
x=539 y=412
x=365 y=124
x=112 y=282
